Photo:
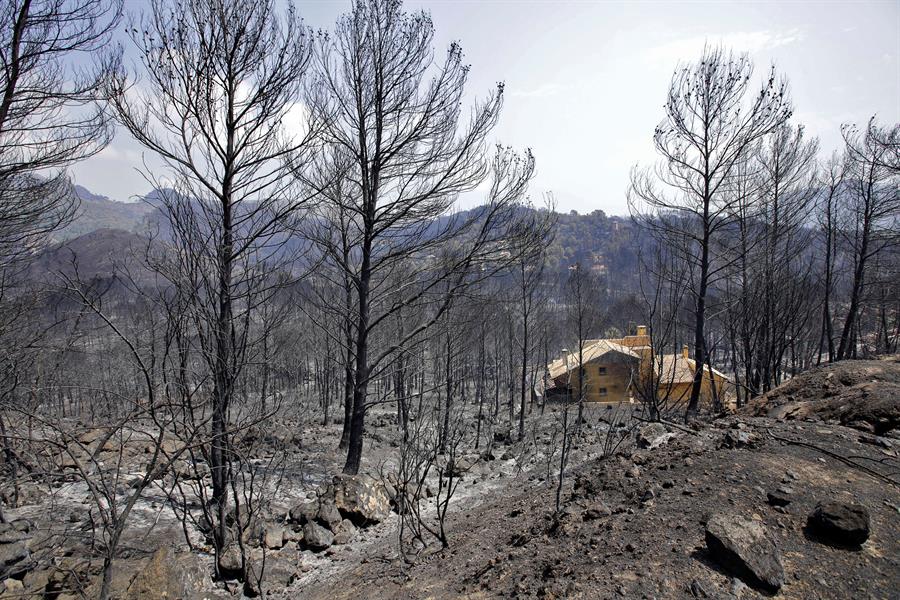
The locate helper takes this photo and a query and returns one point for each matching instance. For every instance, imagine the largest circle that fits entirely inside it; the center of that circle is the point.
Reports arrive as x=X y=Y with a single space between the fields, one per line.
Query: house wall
x=610 y=386
x=681 y=392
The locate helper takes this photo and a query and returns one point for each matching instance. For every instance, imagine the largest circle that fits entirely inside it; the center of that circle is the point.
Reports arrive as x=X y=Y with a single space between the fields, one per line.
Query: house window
x=601 y=370
x=602 y=391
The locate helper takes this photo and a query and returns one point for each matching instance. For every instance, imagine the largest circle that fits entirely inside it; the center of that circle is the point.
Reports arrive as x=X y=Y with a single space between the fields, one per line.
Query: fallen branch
x=669 y=424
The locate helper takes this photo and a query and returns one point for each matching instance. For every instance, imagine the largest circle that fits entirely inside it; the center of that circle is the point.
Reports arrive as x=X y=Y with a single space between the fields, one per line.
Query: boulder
x=90 y=436
x=15 y=559
x=743 y=547
x=317 y=537
x=329 y=515
x=273 y=536
x=463 y=464
x=361 y=498
x=737 y=438
x=269 y=573
x=305 y=512
x=10 y=534
x=840 y=523
x=13 y=587
x=344 y=532
x=230 y=560
x=651 y=435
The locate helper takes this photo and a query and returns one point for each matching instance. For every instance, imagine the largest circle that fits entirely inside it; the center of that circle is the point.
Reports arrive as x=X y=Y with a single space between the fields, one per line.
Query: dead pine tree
x=383 y=99
x=50 y=114
x=583 y=311
x=219 y=81
x=872 y=207
x=712 y=120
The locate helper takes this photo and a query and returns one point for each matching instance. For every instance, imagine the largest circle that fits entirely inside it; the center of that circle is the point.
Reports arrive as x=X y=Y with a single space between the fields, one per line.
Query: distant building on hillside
x=616 y=369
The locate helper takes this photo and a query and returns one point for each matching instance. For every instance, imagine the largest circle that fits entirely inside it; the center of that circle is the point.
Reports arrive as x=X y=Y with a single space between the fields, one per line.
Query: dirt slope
x=651 y=545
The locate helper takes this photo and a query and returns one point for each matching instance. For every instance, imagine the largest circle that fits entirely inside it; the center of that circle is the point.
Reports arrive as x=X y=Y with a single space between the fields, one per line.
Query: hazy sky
x=586 y=81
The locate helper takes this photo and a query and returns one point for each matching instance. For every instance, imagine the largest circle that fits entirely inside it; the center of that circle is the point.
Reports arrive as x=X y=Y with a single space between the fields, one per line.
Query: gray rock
x=463 y=464
x=304 y=513
x=230 y=559
x=170 y=575
x=743 y=547
x=329 y=515
x=597 y=510
x=317 y=537
x=648 y=495
x=273 y=536
x=269 y=574
x=737 y=438
x=840 y=523
x=9 y=534
x=344 y=532
x=15 y=559
x=782 y=496
x=651 y=435
x=697 y=590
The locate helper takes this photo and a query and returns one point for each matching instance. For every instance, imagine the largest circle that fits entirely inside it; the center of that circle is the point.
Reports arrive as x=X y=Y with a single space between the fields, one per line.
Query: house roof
x=592 y=350
x=675 y=368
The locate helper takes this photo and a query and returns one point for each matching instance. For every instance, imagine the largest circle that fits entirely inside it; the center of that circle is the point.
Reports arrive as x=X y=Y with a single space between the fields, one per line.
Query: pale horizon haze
x=586 y=81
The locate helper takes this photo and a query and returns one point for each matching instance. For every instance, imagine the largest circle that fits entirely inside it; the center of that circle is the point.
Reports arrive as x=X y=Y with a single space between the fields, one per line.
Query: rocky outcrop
x=863 y=394
x=743 y=547
x=840 y=524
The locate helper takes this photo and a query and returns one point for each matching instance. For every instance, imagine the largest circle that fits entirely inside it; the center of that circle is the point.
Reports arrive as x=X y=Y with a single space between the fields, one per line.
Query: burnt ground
x=631 y=524
x=652 y=543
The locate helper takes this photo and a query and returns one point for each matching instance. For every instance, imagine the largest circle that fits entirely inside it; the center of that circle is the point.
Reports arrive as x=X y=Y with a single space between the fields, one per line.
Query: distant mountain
x=99 y=212
x=608 y=245
x=97 y=256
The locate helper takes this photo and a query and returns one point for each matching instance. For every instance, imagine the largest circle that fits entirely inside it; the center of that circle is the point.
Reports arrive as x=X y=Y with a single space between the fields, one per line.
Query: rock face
x=840 y=524
x=743 y=547
x=317 y=537
x=361 y=498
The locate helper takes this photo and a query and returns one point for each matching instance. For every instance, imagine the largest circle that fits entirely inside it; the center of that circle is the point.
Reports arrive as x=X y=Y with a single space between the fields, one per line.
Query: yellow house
x=608 y=370
x=674 y=378
x=619 y=369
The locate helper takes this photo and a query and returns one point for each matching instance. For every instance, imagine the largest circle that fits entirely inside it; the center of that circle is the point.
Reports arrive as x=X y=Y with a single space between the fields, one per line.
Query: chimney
x=685 y=352
x=641 y=330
